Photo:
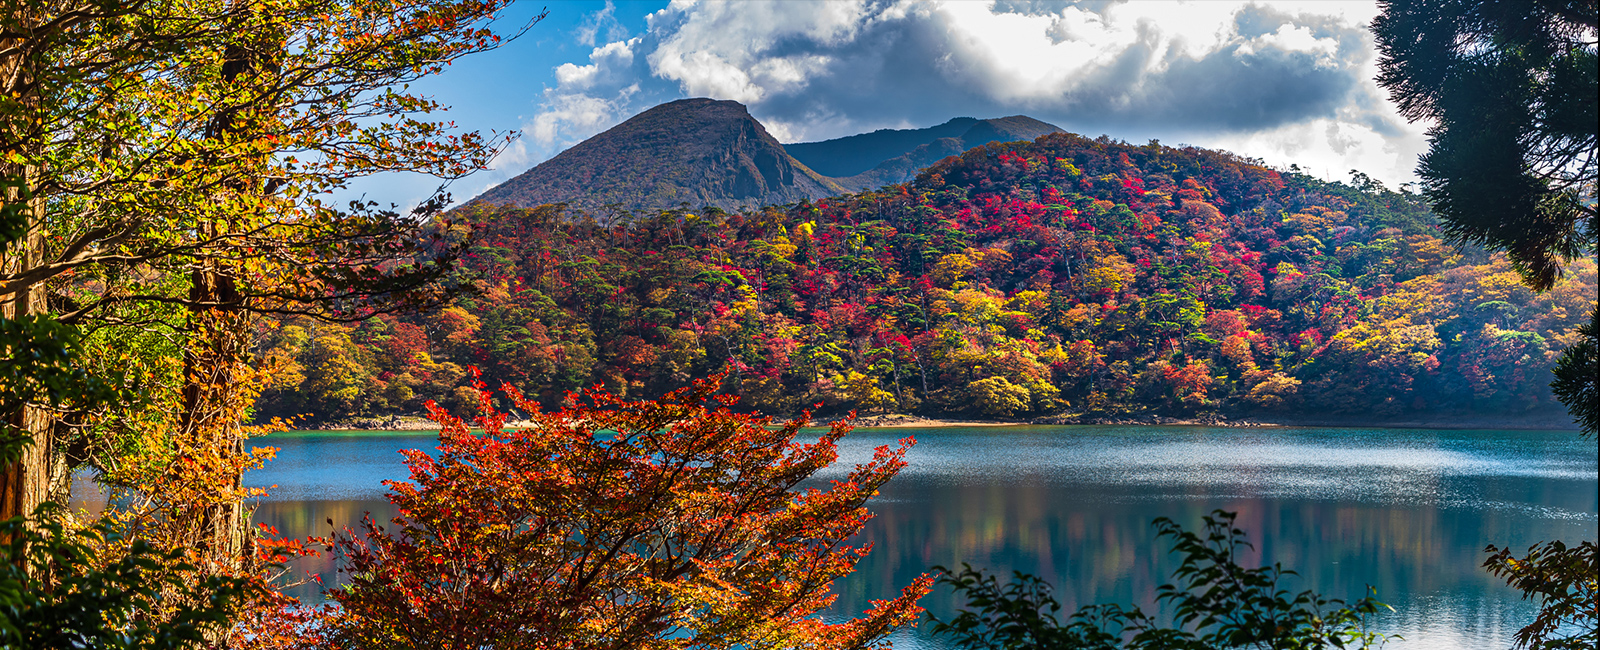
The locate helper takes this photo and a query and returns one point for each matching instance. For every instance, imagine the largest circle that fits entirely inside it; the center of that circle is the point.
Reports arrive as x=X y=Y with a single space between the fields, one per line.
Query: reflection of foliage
x=1216 y=604
x=1564 y=581
x=616 y=524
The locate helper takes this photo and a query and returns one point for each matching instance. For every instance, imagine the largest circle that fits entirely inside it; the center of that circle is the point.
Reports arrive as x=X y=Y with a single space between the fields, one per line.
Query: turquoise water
x=1405 y=511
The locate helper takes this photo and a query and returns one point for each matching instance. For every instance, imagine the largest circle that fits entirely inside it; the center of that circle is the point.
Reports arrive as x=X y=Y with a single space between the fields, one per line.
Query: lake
x=1406 y=511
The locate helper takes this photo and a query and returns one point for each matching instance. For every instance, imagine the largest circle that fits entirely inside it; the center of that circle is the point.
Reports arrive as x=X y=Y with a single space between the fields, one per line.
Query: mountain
x=695 y=151
x=854 y=154
x=1056 y=278
x=709 y=152
x=886 y=156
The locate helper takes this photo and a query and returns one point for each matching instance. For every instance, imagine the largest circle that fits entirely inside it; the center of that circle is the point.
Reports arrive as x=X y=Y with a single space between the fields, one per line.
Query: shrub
x=616 y=524
x=1216 y=604
x=1564 y=579
x=86 y=588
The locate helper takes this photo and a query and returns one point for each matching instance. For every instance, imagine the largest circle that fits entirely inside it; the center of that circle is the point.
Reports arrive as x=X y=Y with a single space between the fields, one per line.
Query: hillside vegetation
x=1066 y=275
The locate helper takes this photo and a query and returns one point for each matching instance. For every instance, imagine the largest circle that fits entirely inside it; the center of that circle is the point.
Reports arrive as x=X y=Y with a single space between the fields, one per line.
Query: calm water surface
x=1405 y=511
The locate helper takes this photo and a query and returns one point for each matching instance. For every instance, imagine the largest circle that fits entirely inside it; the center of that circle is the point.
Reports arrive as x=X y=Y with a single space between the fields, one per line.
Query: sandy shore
x=1540 y=422
x=899 y=421
x=1558 y=422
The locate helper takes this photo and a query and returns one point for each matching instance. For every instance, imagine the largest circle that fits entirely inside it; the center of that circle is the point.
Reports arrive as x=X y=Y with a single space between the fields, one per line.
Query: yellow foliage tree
x=998 y=397
x=1109 y=276
x=1274 y=391
x=863 y=391
x=951 y=269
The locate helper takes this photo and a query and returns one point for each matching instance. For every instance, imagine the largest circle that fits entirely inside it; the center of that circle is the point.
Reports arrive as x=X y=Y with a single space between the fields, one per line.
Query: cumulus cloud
x=1284 y=83
x=587 y=98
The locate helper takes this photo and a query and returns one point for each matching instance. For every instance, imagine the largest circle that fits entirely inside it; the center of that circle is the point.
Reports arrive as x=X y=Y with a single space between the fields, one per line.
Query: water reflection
x=1405 y=511
x=323 y=481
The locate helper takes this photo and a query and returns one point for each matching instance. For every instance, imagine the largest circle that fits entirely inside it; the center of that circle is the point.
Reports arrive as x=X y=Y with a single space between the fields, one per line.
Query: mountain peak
x=704 y=151
x=851 y=155
x=698 y=151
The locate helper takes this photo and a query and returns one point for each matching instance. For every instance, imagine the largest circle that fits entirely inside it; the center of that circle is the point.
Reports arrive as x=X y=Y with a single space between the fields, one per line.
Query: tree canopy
x=1511 y=88
x=612 y=525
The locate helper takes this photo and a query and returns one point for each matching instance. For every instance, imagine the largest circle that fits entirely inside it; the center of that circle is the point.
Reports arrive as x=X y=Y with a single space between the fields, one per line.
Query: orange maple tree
x=674 y=523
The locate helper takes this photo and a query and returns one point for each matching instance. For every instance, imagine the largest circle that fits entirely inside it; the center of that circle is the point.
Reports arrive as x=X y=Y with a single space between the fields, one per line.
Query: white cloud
x=575 y=111
x=587 y=99
x=514 y=156
x=1329 y=148
x=606 y=58
x=1294 y=38
x=725 y=51
x=1286 y=82
x=705 y=74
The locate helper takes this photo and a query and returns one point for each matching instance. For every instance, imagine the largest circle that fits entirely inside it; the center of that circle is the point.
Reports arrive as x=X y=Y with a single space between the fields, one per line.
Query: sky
x=1290 y=83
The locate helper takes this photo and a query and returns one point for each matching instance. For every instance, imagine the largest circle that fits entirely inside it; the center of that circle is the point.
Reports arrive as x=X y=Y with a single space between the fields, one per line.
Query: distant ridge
x=708 y=152
x=851 y=155
x=883 y=157
x=695 y=151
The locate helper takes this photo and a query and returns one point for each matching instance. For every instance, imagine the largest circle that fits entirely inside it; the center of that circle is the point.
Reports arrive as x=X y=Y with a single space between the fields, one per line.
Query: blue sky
x=1287 y=82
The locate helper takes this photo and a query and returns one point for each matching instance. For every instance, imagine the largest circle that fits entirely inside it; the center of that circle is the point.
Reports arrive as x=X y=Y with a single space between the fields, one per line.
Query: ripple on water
x=1347 y=465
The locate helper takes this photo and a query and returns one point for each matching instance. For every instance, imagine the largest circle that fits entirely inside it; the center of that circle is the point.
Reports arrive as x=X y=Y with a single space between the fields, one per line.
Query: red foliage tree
x=406 y=344
x=620 y=524
x=1187 y=385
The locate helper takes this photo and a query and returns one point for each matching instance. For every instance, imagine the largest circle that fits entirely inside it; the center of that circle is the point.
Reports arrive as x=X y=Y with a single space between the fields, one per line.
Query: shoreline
x=1540 y=422
x=1427 y=421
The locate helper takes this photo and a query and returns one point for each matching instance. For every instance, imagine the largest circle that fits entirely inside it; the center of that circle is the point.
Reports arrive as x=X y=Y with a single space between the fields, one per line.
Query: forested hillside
x=1066 y=275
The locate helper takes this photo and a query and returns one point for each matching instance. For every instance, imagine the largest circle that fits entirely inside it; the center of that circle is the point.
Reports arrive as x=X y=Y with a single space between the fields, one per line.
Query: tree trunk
x=917 y=354
x=25 y=483
x=212 y=404
x=215 y=363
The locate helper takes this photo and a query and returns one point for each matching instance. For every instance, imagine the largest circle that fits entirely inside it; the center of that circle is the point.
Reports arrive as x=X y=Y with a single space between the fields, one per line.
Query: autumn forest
x=1063 y=277
x=239 y=409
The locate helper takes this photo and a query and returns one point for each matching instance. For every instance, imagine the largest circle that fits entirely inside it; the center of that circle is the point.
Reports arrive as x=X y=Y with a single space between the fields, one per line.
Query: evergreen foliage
x=1515 y=91
x=1577 y=373
x=1514 y=162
